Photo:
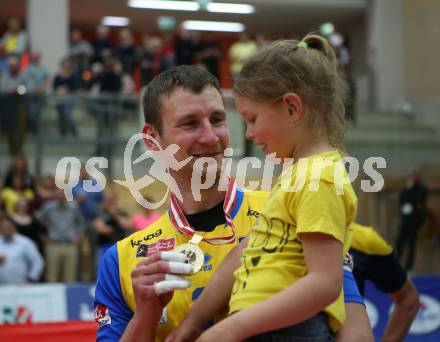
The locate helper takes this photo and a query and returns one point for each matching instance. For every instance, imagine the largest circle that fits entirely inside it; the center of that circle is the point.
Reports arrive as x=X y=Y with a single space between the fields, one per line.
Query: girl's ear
x=150 y=130
x=294 y=106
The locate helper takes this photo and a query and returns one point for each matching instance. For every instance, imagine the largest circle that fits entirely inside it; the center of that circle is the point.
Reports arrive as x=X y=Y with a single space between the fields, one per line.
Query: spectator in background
x=107 y=104
x=167 y=53
x=65 y=226
x=239 y=51
x=13 y=105
x=64 y=84
x=184 y=47
x=124 y=50
x=11 y=195
x=20 y=261
x=412 y=205
x=14 y=39
x=80 y=53
x=111 y=225
x=209 y=53
x=102 y=45
x=147 y=60
x=19 y=166
x=145 y=218
x=45 y=191
x=27 y=225
x=88 y=202
x=37 y=83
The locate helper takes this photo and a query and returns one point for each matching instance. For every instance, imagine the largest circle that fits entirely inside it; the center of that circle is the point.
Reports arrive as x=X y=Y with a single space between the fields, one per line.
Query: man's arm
x=35 y=260
x=407 y=304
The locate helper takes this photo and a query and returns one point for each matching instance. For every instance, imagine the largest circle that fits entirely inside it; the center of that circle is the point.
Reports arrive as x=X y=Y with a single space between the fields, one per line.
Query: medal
x=181 y=223
x=194 y=255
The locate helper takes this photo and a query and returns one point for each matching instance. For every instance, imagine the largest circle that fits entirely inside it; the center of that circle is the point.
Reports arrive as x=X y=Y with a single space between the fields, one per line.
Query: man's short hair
x=187 y=77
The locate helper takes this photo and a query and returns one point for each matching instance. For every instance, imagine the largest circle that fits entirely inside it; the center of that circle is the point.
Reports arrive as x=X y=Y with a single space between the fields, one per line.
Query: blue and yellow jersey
x=374 y=260
x=114 y=300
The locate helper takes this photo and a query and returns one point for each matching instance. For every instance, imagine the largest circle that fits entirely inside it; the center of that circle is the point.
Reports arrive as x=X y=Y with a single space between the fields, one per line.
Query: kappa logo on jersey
x=251 y=212
x=142 y=251
x=206 y=265
x=102 y=317
x=157 y=233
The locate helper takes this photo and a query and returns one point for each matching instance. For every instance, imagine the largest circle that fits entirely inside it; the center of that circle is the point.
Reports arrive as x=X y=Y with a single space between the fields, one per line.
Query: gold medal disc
x=194 y=255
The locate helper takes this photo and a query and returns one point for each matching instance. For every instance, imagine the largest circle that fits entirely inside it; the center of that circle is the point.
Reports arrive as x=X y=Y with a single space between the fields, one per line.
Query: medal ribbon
x=180 y=222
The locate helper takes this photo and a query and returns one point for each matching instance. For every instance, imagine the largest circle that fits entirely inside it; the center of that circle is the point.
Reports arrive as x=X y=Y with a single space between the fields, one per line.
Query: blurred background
x=71 y=75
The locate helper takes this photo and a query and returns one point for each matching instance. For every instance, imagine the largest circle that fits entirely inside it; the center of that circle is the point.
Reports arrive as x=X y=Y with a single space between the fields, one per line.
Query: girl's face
x=269 y=126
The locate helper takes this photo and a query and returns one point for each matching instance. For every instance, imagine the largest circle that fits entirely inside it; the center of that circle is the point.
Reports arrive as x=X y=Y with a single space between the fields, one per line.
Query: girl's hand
x=219 y=332
x=188 y=330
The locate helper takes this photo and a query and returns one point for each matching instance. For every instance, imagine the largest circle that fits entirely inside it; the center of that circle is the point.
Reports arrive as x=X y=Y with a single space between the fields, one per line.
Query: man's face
x=196 y=123
x=7 y=229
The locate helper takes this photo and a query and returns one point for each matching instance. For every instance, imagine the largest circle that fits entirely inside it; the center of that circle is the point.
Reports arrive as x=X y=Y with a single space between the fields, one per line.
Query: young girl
x=288 y=284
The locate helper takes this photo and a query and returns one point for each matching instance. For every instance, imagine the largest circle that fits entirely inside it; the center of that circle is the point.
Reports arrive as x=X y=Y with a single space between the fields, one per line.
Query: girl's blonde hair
x=308 y=68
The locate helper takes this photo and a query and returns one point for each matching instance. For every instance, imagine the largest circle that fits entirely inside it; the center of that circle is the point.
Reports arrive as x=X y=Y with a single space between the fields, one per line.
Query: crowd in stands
x=44 y=237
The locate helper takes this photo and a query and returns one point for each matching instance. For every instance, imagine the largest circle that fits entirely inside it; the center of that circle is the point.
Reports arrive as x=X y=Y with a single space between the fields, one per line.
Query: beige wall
x=421 y=26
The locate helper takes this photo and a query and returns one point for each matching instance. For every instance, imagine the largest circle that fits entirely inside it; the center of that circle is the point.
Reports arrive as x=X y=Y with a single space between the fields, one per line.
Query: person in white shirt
x=20 y=261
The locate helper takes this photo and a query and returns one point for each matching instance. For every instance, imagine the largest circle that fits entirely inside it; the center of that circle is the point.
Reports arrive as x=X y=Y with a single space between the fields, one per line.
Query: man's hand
x=154 y=280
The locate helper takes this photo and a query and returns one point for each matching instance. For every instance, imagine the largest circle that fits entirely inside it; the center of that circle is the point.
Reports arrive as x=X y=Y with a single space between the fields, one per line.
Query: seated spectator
x=112 y=225
x=65 y=84
x=11 y=195
x=19 y=166
x=80 y=53
x=27 y=225
x=65 y=227
x=45 y=191
x=20 y=261
x=144 y=219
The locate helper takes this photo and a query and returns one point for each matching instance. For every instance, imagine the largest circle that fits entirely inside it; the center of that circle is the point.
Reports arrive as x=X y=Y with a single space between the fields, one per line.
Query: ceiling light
x=230 y=8
x=165 y=5
x=195 y=25
x=115 y=21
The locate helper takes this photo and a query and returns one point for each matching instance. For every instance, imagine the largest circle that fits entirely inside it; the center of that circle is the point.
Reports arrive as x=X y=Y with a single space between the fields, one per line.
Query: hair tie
x=302 y=44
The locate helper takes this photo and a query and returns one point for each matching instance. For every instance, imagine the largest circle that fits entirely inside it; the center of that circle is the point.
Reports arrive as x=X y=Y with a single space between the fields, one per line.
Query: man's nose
x=208 y=134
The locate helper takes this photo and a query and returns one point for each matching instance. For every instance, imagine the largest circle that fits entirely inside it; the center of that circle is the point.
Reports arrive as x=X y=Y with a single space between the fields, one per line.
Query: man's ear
x=152 y=131
x=294 y=106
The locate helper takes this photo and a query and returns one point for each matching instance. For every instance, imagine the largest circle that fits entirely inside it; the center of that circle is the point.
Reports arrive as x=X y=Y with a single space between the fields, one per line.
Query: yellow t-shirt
x=274 y=258
x=368 y=241
x=11 y=197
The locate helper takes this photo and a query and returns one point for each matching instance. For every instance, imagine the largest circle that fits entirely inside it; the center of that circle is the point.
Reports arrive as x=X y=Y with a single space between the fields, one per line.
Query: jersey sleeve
x=111 y=311
x=351 y=290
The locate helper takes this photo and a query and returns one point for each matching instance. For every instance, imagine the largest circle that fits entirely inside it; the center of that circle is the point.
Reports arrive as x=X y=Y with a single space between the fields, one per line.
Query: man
x=412 y=205
x=65 y=226
x=375 y=260
x=20 y=261
x=182 y=106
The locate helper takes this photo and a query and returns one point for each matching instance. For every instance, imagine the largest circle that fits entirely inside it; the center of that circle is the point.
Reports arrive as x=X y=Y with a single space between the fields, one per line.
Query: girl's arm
x=302 y=300
x=213 y=300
